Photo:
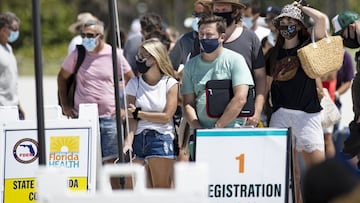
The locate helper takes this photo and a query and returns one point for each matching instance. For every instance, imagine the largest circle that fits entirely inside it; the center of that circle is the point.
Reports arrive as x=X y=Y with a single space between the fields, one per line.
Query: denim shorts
x=108 y=138
x=151 y=143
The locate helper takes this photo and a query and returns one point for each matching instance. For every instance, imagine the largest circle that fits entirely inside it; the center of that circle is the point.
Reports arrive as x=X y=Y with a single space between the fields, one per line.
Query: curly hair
x=7 y=18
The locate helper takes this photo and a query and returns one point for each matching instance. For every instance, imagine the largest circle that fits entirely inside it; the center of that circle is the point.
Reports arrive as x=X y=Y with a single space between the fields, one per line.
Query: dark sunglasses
x=139 y=59
x=89 y=35
x=198 y=14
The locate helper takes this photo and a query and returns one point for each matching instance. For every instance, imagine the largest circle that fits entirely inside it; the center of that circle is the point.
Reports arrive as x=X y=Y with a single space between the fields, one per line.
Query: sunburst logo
x=64 y=151
x=64 y=143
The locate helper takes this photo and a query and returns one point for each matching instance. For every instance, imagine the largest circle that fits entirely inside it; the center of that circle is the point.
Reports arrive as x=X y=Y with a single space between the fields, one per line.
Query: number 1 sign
x=245 y=165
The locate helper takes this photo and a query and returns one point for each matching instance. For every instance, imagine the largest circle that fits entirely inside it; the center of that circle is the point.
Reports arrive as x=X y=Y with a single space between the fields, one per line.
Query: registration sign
x=245 y=165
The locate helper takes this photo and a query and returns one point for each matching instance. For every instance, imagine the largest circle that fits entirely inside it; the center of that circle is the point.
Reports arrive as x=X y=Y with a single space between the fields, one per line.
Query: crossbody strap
x=80 y=57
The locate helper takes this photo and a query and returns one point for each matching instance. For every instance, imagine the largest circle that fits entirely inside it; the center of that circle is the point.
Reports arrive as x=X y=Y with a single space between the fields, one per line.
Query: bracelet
x=303 y=3
x=136 y=112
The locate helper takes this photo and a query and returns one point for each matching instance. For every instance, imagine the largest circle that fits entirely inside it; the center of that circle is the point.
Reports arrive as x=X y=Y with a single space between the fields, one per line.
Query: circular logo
x=26 y=150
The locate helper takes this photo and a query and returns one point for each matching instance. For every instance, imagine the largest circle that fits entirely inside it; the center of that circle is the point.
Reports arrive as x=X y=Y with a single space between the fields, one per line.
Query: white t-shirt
x=151 y=98
x=75 y=41
x=9 y=77
x=262 y=32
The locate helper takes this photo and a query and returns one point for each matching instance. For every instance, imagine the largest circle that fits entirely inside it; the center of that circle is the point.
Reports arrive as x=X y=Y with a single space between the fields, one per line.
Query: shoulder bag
x=218 y=95
x=322 y=57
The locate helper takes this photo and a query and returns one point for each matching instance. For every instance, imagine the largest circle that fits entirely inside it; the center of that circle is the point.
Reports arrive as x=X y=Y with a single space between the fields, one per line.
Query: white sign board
x=70 y=145
x=245 y=164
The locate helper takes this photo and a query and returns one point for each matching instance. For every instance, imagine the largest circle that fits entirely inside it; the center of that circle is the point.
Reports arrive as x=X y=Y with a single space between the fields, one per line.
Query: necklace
x=289 y=53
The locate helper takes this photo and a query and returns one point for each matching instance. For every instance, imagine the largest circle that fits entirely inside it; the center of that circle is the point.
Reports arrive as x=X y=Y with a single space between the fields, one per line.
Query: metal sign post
x=38 y=79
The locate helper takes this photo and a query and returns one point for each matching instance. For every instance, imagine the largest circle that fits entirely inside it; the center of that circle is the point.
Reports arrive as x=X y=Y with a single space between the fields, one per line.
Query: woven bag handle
x=328 y=40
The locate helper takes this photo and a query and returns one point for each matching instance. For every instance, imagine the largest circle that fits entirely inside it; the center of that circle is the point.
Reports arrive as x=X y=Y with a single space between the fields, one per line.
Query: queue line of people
x=220 y=37
x=220 y=34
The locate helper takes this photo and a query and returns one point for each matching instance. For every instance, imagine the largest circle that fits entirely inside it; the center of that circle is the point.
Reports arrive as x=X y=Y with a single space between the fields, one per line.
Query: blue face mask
x=194 y=24
x=14 y=35
x=209 y=45
x=247 y=21
x=89 y=43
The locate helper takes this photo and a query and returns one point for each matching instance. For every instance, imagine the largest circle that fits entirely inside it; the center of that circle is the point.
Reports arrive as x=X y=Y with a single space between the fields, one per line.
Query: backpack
x=71 y=81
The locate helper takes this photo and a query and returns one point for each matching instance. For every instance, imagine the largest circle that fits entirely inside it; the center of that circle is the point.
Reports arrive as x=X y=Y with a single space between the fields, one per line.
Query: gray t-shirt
x=249 y=46
x=131 y=47
x=182 y=49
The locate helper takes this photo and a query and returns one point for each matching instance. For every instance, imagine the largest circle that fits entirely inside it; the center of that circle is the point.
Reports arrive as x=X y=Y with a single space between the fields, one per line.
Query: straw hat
x=81 y=19
x=236 y=3
x=290 y=11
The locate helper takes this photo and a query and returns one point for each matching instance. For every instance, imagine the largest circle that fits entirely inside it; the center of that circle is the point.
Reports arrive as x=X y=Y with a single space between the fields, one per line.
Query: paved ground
x=27 y=96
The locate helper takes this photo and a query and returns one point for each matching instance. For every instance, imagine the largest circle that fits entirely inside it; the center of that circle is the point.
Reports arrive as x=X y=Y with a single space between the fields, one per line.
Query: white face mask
x=272 y=39
x=194 y=24
x=89 y=43
x=14 y=35
x=247 y=21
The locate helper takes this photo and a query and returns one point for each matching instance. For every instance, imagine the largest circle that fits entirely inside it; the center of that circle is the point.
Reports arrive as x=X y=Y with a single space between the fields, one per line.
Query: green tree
x=55 y=17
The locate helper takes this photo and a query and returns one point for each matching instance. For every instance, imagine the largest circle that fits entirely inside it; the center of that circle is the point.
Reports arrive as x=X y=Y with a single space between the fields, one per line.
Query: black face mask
x=288 y=31
x=227 y=16
x=142 y=67
x=351 y=43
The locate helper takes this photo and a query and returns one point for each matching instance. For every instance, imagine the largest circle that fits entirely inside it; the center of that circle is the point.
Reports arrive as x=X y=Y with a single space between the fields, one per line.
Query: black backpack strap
x=80 y=58
x=196 y=46
x=71 y=81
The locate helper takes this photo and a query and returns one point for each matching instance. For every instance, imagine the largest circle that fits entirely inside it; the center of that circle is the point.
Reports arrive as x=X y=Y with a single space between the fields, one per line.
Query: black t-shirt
x=291 y=87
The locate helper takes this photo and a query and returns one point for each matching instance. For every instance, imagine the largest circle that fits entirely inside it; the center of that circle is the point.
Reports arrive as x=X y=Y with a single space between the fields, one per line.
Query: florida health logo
x=64 y=152
x=26 y=150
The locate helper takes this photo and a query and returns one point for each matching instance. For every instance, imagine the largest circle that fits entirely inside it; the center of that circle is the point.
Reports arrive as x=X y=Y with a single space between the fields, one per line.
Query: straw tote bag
x=322 y=57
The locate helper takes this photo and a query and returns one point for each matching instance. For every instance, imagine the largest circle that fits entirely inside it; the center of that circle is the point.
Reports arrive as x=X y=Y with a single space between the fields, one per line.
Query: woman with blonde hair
x=152 y=101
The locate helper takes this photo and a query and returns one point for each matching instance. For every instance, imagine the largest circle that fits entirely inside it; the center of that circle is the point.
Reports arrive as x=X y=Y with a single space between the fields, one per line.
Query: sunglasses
x=89 y=35
x=140 y=59
x=198 y=14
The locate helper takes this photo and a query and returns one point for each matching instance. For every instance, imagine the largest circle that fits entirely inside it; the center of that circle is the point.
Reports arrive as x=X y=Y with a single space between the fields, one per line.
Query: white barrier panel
x=246 y=164
x=190 y=186
x=70 y=145
x=9 y=113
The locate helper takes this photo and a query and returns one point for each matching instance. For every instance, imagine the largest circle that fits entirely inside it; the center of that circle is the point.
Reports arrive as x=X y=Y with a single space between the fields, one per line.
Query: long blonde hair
x=157 y=50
